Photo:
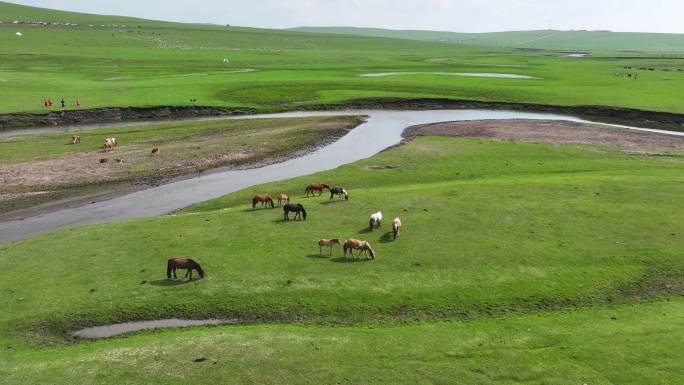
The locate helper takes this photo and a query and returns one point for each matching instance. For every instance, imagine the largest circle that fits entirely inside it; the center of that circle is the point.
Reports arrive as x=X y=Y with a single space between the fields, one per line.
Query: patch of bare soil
x=552 y=131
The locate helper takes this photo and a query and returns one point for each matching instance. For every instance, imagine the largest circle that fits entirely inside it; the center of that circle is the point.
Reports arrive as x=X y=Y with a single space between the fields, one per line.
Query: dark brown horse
x=264 y=199
x=313 y=187
x=184 y=264
x=295 y=208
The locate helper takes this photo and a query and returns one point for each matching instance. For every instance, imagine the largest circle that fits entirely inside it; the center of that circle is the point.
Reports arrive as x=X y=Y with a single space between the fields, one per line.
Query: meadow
x=518 y=263
x=148 y=63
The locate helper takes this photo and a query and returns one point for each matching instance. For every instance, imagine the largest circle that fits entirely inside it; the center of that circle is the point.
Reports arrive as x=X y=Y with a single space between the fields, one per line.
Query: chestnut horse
x=264 y=199
x=76 y=139
x=355 y=244
x=283 y=198
x=184 y=264
x=313 y=187
x=296 y=208
x=327 y=242
x=396 y=227
x=155 y=151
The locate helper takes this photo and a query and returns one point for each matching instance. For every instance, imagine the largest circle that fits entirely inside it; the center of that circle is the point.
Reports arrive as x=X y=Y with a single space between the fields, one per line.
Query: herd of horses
x=266 y=200
x=108 y=146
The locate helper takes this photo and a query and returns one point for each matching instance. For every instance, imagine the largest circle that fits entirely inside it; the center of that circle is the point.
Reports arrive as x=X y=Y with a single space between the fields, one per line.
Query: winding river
x=381 y=130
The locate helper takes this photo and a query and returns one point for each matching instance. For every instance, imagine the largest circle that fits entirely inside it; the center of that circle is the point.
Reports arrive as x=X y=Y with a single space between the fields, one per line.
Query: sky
x=443 y=15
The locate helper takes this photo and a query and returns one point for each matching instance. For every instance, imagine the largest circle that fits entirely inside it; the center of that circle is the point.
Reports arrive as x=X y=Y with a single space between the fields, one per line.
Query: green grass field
x=518 y=263
x=148 y=63
x=629 y=43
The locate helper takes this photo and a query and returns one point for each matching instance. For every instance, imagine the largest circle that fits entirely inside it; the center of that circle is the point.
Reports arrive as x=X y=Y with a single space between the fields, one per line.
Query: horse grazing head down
x=375 y=219
x=301 y=208
x=199 y=269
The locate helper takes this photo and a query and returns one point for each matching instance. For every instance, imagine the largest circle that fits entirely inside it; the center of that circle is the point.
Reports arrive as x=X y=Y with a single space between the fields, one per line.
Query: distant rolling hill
x=543 y=39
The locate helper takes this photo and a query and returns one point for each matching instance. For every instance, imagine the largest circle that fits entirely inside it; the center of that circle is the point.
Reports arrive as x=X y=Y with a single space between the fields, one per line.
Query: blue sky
x=448 y=15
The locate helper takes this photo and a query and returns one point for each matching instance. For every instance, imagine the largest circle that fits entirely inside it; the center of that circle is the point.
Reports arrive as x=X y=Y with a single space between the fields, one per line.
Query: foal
x=184 y=264
x=327 y=242
x=283 y=198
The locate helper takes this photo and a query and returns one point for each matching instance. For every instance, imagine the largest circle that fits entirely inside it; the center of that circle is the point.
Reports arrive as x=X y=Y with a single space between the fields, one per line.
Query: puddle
x=463 y=74
x=577 y=55
x=129 y=327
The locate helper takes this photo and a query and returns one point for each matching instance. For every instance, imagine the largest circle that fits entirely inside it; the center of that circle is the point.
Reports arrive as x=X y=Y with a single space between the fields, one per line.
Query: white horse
x=375 y=219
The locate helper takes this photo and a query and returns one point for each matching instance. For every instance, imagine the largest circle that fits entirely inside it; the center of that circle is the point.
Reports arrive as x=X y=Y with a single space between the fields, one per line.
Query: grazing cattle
x=120 y=160
x=104 y=160
x=298 y=209
x=108 y=145
x=375 y=220
x=327 y=242
x=264 y=199
x=313 y=187
x=396 y=227
x=155 y=151
x=76 y=139
x=340 y=192
x=184 y=264
x=355 y=244
x=283 y=198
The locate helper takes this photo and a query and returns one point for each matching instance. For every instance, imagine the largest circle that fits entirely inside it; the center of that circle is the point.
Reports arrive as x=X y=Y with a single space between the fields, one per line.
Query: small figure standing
x=78 y=102
x=63 y=103
x=49 y=102
x=45 y=103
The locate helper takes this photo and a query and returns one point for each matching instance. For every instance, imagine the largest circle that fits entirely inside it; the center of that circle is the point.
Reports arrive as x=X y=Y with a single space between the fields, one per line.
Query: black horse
x=296 y=208
x=339 y=191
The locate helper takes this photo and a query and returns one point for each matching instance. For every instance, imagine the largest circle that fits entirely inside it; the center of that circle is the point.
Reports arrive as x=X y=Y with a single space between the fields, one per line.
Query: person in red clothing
x=49 y=102
x=45 y=103
x=78 y=102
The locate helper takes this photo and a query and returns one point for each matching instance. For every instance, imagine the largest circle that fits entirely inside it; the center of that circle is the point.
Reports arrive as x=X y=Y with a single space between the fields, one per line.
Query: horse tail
x=169 y=268
x=254 y=202
x=345 y=248
x=370 y=224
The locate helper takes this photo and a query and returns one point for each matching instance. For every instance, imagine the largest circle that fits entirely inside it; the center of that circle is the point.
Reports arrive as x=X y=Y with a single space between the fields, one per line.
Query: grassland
x=149 y=63
x=36 y=169
x=632 y=43
x=519 y=263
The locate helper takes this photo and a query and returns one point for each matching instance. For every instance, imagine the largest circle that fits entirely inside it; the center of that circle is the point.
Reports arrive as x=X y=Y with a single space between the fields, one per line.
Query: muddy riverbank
x=605 y=114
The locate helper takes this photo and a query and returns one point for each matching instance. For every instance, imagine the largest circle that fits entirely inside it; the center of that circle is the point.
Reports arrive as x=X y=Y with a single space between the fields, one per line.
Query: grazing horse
x=340 y=192
x=120 y=160
x=155 y=151
x=375 y=220
x=76 y=139
x=313 y=187
x=396 y=227
x=355 y=244
x=185 y=264
x=296 y=208
x=104 y=160
x=113 y=140
x=108 y=145
x=264 y=199
x=327 y=242
x=283 y=198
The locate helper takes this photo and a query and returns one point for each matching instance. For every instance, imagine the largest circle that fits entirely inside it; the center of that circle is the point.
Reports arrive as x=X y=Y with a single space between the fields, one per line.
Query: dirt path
x=551 y=131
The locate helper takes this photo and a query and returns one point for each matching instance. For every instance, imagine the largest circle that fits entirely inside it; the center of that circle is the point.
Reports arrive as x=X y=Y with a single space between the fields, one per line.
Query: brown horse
x=120 y=160
x=313 y=187
x=155 y=151
x=264 y=199
x=355 y=244
x=396 y=227
x=184 y=264
x=283 y=198
x=76 y=139
x=108 y=145
x=104 y=160
x=327 y=242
